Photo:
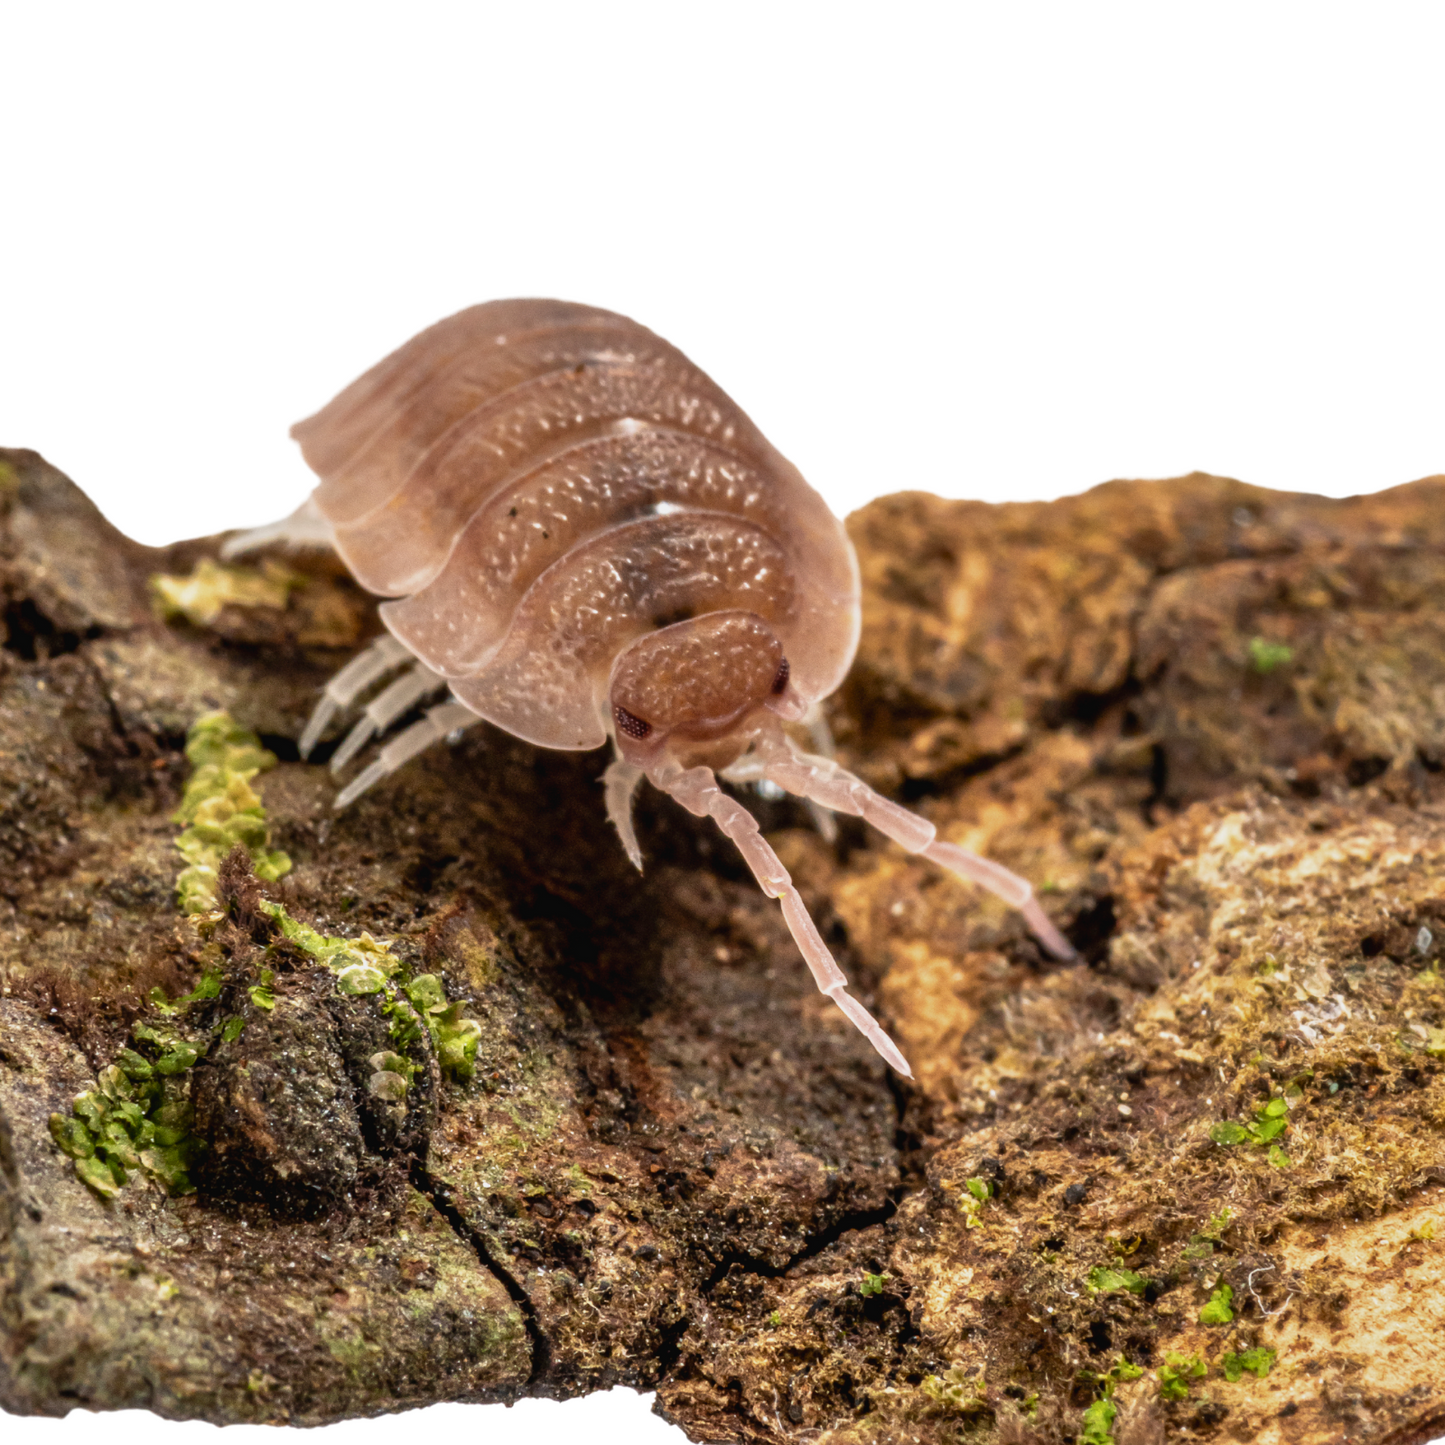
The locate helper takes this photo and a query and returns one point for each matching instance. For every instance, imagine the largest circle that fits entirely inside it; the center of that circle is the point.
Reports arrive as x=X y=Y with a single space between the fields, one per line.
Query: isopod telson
x=585 y=539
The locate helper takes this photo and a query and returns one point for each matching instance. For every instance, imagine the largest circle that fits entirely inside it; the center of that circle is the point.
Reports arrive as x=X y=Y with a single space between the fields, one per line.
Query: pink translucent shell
x=538 y=484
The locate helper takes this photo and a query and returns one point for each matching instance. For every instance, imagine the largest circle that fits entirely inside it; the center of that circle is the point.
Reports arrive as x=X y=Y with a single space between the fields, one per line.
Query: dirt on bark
x=1185 y=1188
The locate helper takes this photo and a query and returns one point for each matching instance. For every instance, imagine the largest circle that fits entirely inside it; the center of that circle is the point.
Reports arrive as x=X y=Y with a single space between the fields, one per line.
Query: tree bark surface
x=1206 y=720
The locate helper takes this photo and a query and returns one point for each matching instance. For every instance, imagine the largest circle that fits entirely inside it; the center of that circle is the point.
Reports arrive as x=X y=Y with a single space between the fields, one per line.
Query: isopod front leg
x=440 y=721
x=834 y=787
x=698 y=792
x=384 y=655
x=620 y=787
x=395 y=699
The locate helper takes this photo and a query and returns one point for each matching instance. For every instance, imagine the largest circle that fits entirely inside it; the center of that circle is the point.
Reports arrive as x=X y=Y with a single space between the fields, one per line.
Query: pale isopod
x=584 y=538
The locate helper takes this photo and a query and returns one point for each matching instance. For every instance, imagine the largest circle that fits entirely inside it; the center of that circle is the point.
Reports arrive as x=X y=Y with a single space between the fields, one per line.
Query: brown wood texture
x=1208 y=720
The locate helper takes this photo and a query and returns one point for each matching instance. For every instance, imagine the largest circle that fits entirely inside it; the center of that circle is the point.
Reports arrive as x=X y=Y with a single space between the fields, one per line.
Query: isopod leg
x=384 y=655
x=697 y=791
x=823 y=744
x=305 y=527
x=398 y=697
x=620 y=787
x=751 y=769
x=1014 y=891
x=448 y=717
x=834 y=787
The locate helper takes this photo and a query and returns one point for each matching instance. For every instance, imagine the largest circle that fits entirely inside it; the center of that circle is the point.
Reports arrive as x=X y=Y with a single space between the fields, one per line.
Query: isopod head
x=692 y=688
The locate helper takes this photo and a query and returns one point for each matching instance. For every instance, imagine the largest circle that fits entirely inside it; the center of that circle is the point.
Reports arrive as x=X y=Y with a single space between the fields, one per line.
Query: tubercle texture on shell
x=537 y=485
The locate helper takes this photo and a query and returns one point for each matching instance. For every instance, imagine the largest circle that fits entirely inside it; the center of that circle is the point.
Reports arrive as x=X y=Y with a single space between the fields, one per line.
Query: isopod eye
x=781 y=680
x=631 y=724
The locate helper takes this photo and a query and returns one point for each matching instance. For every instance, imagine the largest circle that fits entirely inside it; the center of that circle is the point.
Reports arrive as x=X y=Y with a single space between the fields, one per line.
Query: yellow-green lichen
x=220 y=809
x=213 y=586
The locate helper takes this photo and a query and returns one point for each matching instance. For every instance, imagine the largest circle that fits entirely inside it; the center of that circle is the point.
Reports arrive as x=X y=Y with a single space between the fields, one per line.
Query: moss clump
x=976 y=1195
x=1176 y=1372
x=1218 y=1311
x=138 y=1117
x=956 y=1392
x=1121 y=1369
x=1098 y=1423
x=1259 y=1362
x=364 y=966
x=221 y=810
x=1266 y=656
x=213 y=586
x=872 y=1285
x=1116 y=1281
x=1267 y=1125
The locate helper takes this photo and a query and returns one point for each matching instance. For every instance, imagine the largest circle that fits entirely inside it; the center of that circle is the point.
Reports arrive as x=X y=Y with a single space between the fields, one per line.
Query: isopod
x=583 y=538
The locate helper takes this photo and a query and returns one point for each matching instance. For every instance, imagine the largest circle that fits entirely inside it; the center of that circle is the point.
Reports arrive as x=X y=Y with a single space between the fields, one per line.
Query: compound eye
x=781 y=680
x=631 y=724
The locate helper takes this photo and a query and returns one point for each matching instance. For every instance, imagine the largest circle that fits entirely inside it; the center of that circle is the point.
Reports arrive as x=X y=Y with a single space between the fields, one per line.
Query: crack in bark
x=443 y=1202
x=813 y=1245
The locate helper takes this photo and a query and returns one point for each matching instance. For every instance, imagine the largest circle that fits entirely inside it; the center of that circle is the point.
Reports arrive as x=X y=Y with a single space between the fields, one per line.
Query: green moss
x=261 y=994
x=213 y=586
x=1269 y=1122
x=137 y=1120
x=1121 y=1369
x=1218 y=1311
x=1175 y=1374
x=1116 y=1281
x=1218 y=1223
x=1259 y=1361
x=366 y=967
x=976 y=1195
x=956 y=1392
x=872 y=1284
x=1266 y=656
x=1098 y=1423
x=220 y=809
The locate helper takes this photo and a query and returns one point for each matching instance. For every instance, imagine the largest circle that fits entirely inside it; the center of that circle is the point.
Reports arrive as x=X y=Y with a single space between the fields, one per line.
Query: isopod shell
x=538 y=485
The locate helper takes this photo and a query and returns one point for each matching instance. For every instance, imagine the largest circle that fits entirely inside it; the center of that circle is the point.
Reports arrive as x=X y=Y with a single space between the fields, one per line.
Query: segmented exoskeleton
x=585 y=539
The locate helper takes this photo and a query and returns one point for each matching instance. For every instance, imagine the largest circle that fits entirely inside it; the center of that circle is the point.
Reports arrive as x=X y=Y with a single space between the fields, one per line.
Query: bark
x=1207 y=720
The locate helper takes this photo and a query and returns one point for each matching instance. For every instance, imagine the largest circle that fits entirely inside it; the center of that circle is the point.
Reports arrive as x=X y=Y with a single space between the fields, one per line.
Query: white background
x=997 y=251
